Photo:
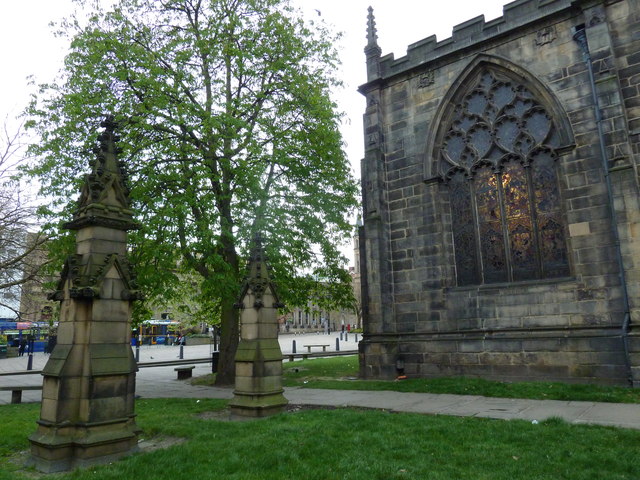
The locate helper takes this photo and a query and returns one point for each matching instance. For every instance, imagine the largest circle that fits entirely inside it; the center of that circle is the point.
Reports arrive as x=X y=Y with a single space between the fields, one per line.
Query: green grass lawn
x=341 y=373
x=344 y=444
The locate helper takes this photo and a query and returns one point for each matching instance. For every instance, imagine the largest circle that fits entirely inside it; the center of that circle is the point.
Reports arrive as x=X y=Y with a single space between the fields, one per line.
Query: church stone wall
x=572 y=328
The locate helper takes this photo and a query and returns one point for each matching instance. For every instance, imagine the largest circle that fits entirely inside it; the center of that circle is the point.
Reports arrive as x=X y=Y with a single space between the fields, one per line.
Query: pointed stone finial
x=372 y=36
x=109 y=124
x=104 y=199
x=372 y=50
x=258 y=279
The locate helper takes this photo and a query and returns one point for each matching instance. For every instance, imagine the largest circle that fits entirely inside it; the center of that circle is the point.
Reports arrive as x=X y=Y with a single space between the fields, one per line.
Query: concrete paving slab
x=612 y=414
x=318 y=397
x=620 y=415
x=505 y=408
x=545 y=409
x=428 y=403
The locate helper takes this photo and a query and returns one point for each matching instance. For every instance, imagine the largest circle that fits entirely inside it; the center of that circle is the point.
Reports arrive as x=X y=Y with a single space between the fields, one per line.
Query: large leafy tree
x=227 y=129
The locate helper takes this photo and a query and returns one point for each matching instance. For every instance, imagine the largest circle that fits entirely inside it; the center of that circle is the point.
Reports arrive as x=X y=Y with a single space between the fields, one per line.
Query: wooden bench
x=292 y=356
x=184 y=372
x=305 y=356
x=324 y=347
x=16 y=392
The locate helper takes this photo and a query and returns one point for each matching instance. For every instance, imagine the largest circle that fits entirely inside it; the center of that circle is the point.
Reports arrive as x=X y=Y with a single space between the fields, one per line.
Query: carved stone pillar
x=258 y=391
x=87 y=414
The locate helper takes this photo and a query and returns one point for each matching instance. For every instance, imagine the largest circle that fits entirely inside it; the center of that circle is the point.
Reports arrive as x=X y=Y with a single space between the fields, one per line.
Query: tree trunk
x=229 y=321
x=229 y=337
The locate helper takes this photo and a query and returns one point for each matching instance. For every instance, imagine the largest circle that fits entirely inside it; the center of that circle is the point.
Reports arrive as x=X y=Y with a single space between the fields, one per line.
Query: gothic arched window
x=498 y=158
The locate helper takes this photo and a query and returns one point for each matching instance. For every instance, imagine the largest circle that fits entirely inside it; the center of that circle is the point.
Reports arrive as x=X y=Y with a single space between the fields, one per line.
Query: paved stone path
x=160 y=382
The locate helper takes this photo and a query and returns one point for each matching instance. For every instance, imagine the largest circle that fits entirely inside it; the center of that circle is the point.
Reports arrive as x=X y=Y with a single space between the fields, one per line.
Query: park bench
x=184 y=372
x=292 y=356
x=16 y=391
x=324 y=347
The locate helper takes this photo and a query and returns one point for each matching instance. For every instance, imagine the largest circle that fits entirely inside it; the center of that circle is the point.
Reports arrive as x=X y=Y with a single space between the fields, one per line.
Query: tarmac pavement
x=160 y=382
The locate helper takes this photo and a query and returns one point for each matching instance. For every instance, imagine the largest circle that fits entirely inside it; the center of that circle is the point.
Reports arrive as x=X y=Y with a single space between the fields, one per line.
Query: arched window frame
x=519 y=155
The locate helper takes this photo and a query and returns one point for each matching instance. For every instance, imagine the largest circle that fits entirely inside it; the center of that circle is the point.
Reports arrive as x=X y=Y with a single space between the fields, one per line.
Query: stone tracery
x=498 y=156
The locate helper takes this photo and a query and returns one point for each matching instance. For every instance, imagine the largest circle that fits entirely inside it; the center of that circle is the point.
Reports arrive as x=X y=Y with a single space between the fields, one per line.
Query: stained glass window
x=464 y=234
x=499 y=161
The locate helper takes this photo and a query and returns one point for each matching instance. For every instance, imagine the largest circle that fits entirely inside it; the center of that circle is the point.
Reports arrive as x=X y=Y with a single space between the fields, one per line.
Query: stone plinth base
x=573 y=355
x=257 y=405
x=258 y=391
x=58 y=448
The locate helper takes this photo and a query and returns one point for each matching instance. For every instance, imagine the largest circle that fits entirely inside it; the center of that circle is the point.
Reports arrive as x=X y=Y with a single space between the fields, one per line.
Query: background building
x=500 y=197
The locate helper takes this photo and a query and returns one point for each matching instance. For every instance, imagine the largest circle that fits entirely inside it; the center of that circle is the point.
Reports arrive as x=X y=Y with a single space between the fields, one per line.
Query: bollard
x=337 y=345
x=340 y=335
x=215 y=358
x=293 y=347
x=137 y=353
x=356 y=339
x=346 y=336
x=30 y=344
x=181 y=352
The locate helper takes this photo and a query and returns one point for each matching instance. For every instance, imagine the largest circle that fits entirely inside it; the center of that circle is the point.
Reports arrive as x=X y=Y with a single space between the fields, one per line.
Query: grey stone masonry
x=422 y=316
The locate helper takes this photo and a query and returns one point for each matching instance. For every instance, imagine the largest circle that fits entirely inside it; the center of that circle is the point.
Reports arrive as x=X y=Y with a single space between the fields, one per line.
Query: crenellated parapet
x=516 y=15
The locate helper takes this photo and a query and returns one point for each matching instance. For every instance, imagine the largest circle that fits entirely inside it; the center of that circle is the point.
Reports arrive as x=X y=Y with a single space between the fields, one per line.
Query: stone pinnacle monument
x=258 y=391
x=87 y=414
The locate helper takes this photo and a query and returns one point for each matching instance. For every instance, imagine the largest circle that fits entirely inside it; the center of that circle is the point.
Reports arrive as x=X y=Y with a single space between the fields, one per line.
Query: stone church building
x=501 y=215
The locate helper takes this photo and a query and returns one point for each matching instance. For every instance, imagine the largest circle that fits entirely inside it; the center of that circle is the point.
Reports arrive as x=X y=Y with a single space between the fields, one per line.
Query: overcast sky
x=30 y=49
